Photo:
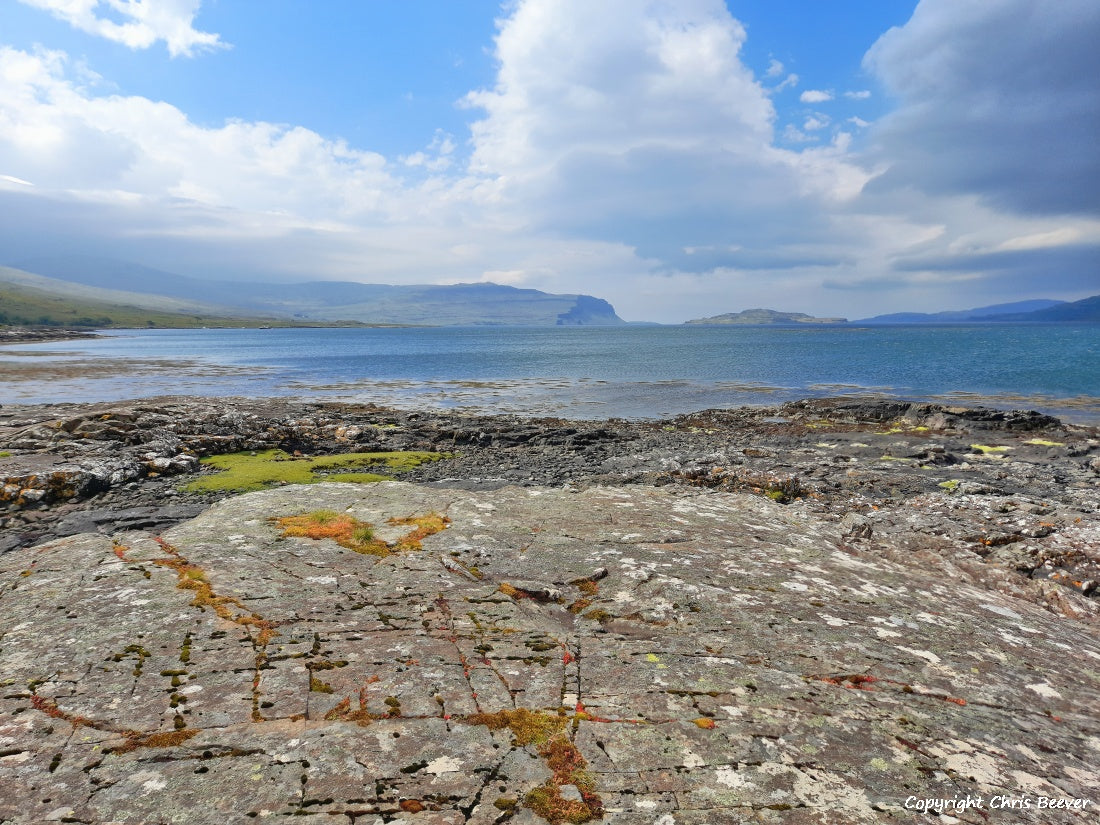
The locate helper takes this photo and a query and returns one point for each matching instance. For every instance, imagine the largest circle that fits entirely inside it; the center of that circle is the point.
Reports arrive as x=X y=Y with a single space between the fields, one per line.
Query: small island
x=766 y=316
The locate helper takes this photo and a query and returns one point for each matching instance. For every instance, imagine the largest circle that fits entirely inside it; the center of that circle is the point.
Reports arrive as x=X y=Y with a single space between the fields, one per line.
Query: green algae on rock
x=247 y=471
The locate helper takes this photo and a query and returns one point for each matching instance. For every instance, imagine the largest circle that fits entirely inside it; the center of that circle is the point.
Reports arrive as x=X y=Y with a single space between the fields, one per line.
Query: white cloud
x=859 y=122
x=512 y=277
x=789 y=81
x=61 y=137
x=1063 y=236
x=792 y=134
x=775 y=68
x=437 y=158
x=998 y=98
x=815 y=96
x=862 y=94
x=144 y=22
x=624 y=151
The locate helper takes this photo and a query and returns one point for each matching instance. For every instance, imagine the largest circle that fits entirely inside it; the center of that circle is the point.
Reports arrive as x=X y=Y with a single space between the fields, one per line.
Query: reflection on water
x=633 y=372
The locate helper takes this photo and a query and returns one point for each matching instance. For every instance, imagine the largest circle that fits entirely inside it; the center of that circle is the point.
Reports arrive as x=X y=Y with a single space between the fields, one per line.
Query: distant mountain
x=962 y=316
x=431 y=305
x=766 y=316
x=1086 y=310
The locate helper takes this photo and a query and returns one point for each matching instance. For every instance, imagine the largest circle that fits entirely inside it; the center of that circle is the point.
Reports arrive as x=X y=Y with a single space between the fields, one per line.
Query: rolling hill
x=125 y=284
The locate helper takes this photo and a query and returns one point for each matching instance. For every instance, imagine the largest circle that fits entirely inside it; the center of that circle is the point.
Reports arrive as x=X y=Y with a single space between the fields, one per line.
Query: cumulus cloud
x=647 y=129
x=998 y=99
x=815 y=96
x=63 y=138
x=143 y=22
x=624 y=150
x=862 y=94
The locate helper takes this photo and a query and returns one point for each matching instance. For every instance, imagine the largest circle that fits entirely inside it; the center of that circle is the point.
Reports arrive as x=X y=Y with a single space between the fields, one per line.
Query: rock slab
x=630 y=655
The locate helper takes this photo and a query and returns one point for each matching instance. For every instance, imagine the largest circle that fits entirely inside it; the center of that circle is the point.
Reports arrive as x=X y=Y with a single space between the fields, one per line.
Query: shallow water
x=596 y=372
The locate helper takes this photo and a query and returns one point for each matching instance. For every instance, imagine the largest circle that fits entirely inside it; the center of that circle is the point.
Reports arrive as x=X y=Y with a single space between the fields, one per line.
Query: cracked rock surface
x=676 y=655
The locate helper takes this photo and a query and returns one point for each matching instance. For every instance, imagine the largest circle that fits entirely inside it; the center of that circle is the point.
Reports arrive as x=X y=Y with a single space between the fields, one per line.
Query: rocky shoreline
x=1016 y=491
x=831 y=611
x=39 y=335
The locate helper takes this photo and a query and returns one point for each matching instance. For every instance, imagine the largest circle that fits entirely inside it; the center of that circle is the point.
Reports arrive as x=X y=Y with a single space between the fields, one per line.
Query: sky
x=679 y=158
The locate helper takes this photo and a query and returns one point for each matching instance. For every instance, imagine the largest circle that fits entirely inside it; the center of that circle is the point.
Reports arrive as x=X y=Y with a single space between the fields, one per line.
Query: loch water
x=633 y=372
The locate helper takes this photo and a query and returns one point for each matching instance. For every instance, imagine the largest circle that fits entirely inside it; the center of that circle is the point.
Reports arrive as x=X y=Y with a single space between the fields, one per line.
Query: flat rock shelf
x=634 y=654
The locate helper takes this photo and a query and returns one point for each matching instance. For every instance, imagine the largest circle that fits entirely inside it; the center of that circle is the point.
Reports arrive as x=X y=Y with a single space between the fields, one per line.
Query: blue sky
x=677 y=157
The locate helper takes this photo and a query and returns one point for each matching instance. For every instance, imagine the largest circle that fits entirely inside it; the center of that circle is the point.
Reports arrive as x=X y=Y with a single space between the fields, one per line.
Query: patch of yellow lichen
x=350 y=532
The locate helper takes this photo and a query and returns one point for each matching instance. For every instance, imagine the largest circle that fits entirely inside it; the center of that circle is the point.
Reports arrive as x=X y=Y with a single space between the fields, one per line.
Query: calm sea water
x=631 y=372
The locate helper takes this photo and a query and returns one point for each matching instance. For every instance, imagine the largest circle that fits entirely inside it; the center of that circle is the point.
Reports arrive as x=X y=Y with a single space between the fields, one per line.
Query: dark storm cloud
x=998 y=98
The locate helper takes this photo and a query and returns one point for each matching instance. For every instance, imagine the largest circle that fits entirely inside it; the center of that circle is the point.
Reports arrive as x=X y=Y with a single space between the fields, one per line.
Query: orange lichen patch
x=192 y=577
x=528 y=727
x=546 y=731
x=579 y=606
x=546 y=801
x=704 y=723
x=586 y=586
x=50 y=708
x=349 y=532
x=569 y=767
x=425 y=526
x=343 y=712
x=345 y=530
x=861 y=681
x=135 y=740
x=510 y=591
x=411 y=806
x=565 y=760
x=858 y=681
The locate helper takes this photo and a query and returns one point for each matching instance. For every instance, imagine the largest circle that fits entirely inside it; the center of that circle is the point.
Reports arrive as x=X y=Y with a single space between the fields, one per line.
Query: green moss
x=950 y=484
x=242 y=472
x=528 y=727
x=1036 y=442
x=5 y=454
x=985 y=449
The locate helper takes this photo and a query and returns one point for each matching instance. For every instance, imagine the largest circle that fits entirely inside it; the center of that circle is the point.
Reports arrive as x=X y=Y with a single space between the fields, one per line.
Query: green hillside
x=26 y=306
